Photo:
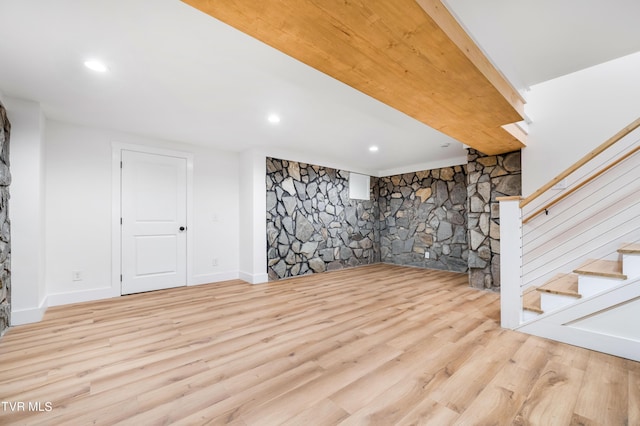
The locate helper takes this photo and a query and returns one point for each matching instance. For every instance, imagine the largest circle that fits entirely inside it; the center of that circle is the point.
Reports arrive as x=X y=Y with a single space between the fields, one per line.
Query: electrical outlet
x=76 y=275
x=426 y=255
x=215 y=261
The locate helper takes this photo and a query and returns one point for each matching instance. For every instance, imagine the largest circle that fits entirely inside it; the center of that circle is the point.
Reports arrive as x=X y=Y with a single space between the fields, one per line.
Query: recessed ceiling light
x=373 y=148
x=273 y=118
x=96 y=66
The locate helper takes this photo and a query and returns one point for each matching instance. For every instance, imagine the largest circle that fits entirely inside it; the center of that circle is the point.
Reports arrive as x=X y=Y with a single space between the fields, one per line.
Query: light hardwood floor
x=380 y=345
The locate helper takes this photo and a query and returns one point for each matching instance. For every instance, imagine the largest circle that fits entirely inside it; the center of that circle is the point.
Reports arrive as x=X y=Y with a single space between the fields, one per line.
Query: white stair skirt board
x=608 y=344
x=589 y=285
x=550 y=302
x=614 y=321
x=594 y=323
x=631 y=265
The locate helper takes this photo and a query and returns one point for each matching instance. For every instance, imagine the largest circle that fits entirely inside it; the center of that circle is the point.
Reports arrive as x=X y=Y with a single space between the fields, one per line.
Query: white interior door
x=154 y=221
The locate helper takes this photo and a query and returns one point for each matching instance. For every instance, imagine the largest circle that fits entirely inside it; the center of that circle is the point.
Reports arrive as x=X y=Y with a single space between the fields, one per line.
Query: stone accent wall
x=489 y=177
x=312 y=225
x=451 y=213
x=5 y=234
x=425 y=212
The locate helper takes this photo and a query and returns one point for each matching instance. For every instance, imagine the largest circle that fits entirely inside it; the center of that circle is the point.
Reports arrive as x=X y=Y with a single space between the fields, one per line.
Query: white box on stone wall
x=359 y=186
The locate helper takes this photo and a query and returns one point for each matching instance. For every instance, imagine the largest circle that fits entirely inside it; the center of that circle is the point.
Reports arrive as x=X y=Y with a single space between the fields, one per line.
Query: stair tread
x=531 y=301
x=630 y=248
x=602 y=268
x=562 y=284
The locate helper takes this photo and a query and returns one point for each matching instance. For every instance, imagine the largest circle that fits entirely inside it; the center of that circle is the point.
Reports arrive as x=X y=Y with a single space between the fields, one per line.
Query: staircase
x=591 y=278
x=595 y=307
x=570 y=259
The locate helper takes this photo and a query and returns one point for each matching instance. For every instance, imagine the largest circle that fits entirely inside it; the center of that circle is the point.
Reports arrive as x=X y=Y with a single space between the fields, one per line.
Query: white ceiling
x=180 y=75
x=535 y=41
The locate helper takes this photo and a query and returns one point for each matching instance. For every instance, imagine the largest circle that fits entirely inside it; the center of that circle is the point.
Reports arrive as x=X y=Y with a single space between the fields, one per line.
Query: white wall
x=216 y=215
x=78 y=206
x=28 y=294
x=253 y=208
x=575 y=113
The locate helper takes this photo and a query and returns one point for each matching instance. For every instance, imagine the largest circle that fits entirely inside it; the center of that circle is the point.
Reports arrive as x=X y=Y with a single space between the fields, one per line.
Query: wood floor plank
x=351 y=398
x=523 y=369
x=566 y=354
x=603 y=398
x=429 y=412
x=499 y=401
x=292 y=403
x=380 y=344
x=324 y=412
x=465 y=385
x=553 y=398
x=238 y=404
x=634 y=397
x=389 y=408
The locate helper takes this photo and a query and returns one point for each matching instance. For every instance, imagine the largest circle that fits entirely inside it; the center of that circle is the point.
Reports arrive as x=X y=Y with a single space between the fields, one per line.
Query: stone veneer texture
x=312 y=225
x=5 y=235
x=425 y=212
x=489 y=177
x=451 y=213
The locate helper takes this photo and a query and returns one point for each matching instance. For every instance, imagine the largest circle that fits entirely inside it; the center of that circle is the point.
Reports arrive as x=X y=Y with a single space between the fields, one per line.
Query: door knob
x=182 y=228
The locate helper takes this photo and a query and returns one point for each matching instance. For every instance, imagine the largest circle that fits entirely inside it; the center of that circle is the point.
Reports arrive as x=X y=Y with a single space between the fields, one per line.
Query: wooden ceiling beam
x=447 y=23
x=409 y=54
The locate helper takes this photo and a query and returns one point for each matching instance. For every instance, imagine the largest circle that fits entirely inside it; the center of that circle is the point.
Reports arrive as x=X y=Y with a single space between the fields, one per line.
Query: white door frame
x=116 y=207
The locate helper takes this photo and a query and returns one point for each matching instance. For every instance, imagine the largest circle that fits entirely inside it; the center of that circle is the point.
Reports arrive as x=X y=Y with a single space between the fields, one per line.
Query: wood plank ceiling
x=409 y=54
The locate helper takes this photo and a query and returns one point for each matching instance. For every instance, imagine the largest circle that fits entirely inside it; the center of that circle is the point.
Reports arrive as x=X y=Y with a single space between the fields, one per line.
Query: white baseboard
x=254 y=278
x=28 y=316
x=57 y=299
x=214 y=278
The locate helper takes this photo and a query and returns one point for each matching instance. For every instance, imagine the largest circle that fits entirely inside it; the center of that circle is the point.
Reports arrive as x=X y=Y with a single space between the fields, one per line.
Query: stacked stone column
x=5 y=236
x=489 y=177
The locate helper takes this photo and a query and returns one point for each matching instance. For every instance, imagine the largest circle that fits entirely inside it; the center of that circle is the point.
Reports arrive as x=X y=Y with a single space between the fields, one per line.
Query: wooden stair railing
x=584 y=160
x=580 y=185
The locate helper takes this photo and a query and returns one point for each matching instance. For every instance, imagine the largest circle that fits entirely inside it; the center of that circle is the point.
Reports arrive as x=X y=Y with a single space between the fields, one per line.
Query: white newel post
x=510 y=262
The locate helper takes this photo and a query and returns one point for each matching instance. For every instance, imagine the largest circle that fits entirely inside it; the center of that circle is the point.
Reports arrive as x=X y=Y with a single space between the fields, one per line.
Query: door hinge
x=120 y=221
x=121 y=164
x=120 y=277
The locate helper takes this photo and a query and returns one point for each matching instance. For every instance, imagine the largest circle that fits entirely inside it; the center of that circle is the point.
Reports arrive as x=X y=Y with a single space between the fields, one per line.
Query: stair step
x=531 y=301
x=630 y=248
x=602 y=268
x=562 y=284
x=630 y=260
